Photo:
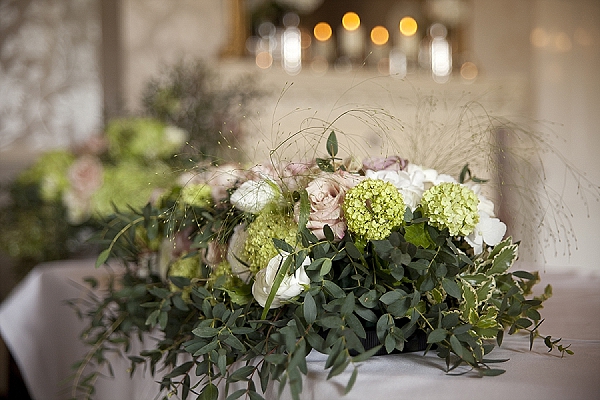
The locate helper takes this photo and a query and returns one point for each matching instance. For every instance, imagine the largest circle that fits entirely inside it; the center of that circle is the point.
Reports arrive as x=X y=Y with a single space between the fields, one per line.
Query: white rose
x=253 y=196
x=291 y=286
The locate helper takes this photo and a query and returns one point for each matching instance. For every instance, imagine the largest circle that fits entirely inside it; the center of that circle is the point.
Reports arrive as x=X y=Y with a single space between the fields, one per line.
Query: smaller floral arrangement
x=54 y=205
x=241 y=273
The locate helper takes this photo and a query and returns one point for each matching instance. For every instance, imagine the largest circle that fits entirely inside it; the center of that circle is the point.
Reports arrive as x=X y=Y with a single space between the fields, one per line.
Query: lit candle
x=352 y=37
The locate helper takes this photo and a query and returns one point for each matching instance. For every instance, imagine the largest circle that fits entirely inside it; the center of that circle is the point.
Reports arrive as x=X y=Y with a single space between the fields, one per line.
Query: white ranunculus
x=291 y=286
x=253 y=196
x=488 y=230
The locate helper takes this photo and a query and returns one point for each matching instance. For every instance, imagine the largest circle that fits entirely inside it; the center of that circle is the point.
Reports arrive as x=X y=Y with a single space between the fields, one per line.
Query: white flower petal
x=253 y=196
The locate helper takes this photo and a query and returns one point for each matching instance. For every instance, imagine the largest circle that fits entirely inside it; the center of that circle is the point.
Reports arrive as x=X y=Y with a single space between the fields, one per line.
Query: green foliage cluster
x=419 y=280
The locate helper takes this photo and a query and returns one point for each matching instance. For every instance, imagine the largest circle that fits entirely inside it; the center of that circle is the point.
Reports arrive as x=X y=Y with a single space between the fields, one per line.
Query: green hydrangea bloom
x=129 y=183
x=187 y=267
x=50 y=173
x=269 y=224
x=373 y=208
x=197 y=195
x=453 y=206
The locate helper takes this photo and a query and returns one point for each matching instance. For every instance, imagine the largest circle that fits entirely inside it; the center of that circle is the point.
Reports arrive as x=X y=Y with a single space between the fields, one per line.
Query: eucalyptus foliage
x=214 y=337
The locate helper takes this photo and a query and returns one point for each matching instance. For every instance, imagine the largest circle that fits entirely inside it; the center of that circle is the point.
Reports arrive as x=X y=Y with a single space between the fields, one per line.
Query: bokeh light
x=264 y=60
x=468 y=71
x=322 y=31
x=380 y=35
x=351 y=21
x=408 y=26
x=539 y=37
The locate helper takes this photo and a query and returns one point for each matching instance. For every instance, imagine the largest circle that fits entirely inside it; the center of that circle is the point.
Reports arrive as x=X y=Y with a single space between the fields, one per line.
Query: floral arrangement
x=240 y=273
x=55 y=204
x=51 y=209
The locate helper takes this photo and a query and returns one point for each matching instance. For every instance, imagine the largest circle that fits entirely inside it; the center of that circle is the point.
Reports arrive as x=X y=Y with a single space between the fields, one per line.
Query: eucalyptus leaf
x=332 y=144
x=310 y=309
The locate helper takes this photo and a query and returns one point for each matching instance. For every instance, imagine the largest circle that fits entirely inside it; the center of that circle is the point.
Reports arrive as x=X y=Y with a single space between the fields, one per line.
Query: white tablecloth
x=42 y=335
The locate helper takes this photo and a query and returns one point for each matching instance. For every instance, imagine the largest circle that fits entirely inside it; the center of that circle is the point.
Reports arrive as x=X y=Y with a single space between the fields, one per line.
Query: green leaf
x=450 y=320
x=329 y=236
x=282 y=245
x=180 y=370
x=102 y=257
x=348 y=305
x=367 y=354
x=456 y=346
x=205 y=331
x=524 y=275
x=333 y=289
x=160 y=292
x=325 y=267
x=241 y=374
x=180 y=281
x=304 y=210
x=235 y=343
x=464 y=173
x=451 y=287
x=390 y=297
x=503 y=260
x=369 y=299
x=382 y=247
x=236 y=395
x=210 y=392
x=351 y=381
x=332 y=144
x=152 y=318
x=163 y=317
x=417 y=235
x=437 y=335
x=492 y=371
x=310 y=309
x=207 y=349
x=484 y=292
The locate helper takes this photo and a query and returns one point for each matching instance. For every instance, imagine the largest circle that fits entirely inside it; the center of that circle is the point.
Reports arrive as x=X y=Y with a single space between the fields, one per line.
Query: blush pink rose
x=85 y=175
x=392 y=163
x=326 y=194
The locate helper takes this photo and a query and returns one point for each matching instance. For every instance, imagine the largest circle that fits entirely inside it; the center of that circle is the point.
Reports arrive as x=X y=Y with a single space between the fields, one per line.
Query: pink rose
x=292 y=175
x=85 y=175
x=326 y=195
x=393 y=163
x=220 y=179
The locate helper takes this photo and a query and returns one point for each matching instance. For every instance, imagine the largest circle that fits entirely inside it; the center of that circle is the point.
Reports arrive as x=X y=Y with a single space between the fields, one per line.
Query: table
x=41 y=332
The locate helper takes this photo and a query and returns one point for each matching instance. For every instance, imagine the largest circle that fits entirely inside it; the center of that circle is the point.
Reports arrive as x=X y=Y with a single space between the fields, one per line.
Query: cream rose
x=291 y=286
x=326 y=195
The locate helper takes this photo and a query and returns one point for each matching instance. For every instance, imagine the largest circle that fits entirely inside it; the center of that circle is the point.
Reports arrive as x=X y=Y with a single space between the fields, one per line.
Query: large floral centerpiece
x=241 y=273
